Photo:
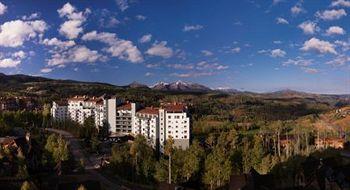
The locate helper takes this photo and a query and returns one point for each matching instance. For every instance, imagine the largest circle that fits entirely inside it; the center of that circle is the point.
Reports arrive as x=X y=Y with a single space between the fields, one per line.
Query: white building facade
x=79 y=108
x=174 y=123
x=59 y=110
x=146 y=123
x=156 y=124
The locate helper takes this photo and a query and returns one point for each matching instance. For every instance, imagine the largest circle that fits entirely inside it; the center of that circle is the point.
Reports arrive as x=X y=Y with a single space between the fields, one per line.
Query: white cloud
x=77 y=54
x=281 y=20
x=46 y=70
x=3 y=8
x=15 y=33
x=278 y=53
x=344 y=45
x=188 y=28
x=19 y=55
x=310 y=70
x=160 y=49
x=331 y=14
x=148 y=74
x=146 y=38
x=319 y=46
x=297 y=9
x=298 y=62
x=192 y=74
x=263 y=51
x=140 y=17
x=152 y=65
x=73 y=26
x=309 y=27
x=207 y=53
x=236 y=50
x=335 y=30
x=339 y=61
x=339 y=3
x=31 y=17
x=122 y=4
x=123 y=49
x=181 y=66
x=277 y=42
x=203 y=65
x=9 y=63
x=58 y=43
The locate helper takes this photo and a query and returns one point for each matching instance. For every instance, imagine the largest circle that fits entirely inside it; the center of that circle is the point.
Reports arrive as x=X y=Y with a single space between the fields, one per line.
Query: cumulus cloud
x=236 y=50
x=15 y=33
x=160 y=49
x=31 y=17
x=140 y=17
x=277 y=53
x=73 y=26
x=319 y=46
x=181 y=66
x=331 y=14
x=203 y=65
x=122 y=4
x=188 y=28
x=58 y=43
x=19 y=55
x=152 y=65
x=148 y=74
x=123 y=49
x=77 y=54
x=309 y=27
x=3 y=8
x=345 y=46
x=207 y=53
x=297 y=9
x=9 y=63
x=71 y=29
x=335 y=30
x=192 y=74
x=146 y=38
x=339 y=61
x=299 y=61
x=343 y=3
x=281 y=20
x=310 y=70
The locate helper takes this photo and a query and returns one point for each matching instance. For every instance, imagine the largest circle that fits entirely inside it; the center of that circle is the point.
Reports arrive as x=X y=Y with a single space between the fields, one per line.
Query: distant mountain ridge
x=38 y=84
x=136 y=84
x=180 y=86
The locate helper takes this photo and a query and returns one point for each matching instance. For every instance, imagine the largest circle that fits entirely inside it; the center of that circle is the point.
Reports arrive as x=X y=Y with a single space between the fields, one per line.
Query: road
x=89 y=162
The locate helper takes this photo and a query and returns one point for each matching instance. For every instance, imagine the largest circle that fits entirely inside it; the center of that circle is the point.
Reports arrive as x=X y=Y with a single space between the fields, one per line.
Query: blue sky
x=255 y=45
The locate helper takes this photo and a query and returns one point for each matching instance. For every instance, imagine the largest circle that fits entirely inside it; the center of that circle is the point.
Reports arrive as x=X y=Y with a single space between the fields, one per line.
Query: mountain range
x=37 y=84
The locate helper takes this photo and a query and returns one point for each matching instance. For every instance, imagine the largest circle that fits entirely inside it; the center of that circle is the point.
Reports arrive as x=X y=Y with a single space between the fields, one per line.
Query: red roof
x=149 y=110
x=62 y=102
x=125 y=106
x=78 y=98
x=175 y=107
